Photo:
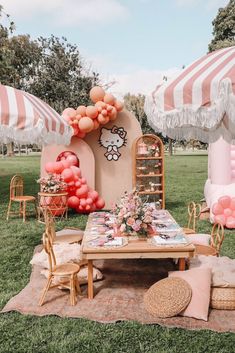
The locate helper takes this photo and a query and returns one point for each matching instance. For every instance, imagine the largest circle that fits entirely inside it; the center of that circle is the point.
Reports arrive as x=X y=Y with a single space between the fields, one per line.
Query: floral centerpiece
x=52 y=184
x=153 y=149
x=133 y=216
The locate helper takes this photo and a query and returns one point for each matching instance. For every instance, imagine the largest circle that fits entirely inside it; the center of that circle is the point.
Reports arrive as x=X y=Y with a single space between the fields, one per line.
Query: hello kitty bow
x=119 y=130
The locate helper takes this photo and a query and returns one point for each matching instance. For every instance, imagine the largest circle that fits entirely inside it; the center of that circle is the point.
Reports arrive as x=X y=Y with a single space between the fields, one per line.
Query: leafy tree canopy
x=224 y=27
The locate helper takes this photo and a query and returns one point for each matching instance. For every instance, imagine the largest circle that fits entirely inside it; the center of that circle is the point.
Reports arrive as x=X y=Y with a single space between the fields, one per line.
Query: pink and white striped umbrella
x=200 y=102
x=25 y=118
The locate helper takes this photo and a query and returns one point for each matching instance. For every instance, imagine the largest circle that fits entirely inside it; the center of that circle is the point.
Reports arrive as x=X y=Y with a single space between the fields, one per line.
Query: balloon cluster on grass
x=81 y=197
x=86 y=119
x=224 y=211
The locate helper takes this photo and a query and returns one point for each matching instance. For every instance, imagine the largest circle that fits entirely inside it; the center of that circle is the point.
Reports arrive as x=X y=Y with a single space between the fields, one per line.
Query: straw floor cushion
x=200 y=282
x=223 y=298
x=168 y=297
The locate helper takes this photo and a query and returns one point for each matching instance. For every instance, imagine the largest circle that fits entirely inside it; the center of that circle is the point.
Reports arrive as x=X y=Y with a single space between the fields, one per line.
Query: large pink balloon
x=224 y=201
x=58 y=167
x=228 y=212
x=97 y=94
x=73 y=201
x=65 y=163
x=69 y=112
x=76 y=170
x=109 y=98
x=67 y=175
x=92 y=111
x=72 y=159
x=49 y=167
x=220 y=219
x=86 y=124
x=81 y=110
x=94 y=195
x=82 y=191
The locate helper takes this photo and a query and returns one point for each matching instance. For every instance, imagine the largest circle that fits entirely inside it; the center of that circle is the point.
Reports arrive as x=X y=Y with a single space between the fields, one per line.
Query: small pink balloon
x=232 y=204
x=224 y=201
x=228 y=212
x=113 y=114
x=230 y=222
x=89 y=201
x=233 y=214
x=83 y=180
x=49 y=167
x=71 y=183
x=104 y=112
x=118 y=105
x=77 y=184
x=220 y=219
x=88 y=207
x=109 y=98
x=82 y=191
x=92 y=111
x=67 y=175
x=100 y=203
x=94 y=195
x=83 y=202
x=73 y=202
x=68 y=112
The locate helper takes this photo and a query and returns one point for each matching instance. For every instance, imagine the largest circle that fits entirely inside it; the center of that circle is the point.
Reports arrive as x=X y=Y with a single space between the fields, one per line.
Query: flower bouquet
x=133 y=216
x=52 y=184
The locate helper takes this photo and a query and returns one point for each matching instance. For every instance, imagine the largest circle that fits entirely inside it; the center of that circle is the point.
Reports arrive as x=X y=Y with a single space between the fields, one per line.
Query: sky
x=133 y=43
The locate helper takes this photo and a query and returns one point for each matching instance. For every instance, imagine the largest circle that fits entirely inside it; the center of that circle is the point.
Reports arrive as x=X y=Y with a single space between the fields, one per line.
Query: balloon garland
x=81 y=197
x=224 y=211
x=86 y=119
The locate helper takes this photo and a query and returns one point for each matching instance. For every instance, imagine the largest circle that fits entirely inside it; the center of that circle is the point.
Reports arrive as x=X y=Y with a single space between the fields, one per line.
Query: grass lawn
x=185 y=178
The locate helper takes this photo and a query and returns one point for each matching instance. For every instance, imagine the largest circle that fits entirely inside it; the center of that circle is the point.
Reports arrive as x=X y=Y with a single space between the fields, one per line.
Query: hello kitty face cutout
x=112 y=140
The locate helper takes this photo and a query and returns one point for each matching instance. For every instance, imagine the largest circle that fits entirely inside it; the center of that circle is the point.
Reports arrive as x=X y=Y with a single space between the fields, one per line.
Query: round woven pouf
x=168 y=297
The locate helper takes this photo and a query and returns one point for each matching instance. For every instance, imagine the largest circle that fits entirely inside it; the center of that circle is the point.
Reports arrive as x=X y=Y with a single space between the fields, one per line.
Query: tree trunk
x=10 y=149
x=170 y=147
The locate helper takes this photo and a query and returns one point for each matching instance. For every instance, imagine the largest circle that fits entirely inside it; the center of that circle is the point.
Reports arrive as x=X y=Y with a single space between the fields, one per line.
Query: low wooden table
x=133 y=250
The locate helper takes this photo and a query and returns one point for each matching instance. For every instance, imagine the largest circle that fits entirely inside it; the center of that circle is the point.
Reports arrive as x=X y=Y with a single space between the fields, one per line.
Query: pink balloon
x=220 y=219
x=82 y=191
x=217 y=209
x=49 y=167
x=67 y=175
x=118 y=105
x=94 y=195
x=89 y=201
x=230 y=223
x=109 y=98
x=67 y=153
x=86 y=124
x=83 y=180
x=88 y=207
x=224 y=201
x=228 y=212
x=83 y=202
x=232 y=203
x=65 y=164
x=73 y=202
x=100 y=203
x=69 y=112
x=72 y=159
x=78 y=184
x=233 y=214
x=81 y=110
x=71 y=183
x=97 y=94
x=76 y=170
x=58 y=167
x=92 y=111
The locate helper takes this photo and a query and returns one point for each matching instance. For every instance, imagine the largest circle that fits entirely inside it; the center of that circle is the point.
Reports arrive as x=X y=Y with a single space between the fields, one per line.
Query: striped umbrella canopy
x=199 y=103
x=25 y=118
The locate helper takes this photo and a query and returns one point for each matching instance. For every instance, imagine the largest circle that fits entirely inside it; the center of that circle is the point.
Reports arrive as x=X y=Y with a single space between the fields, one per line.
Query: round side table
x=56 y=204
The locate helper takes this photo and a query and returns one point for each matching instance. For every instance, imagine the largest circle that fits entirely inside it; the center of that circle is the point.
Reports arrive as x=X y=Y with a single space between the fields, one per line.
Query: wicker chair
x=17 y=195
x=194 y=211
x=216 y=240
x=65 y=273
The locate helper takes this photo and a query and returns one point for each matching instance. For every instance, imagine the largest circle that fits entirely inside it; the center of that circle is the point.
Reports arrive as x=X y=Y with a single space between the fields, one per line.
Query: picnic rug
x=119 y=296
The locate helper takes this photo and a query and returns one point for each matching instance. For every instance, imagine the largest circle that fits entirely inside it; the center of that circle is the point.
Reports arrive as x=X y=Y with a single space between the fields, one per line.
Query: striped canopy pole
x=25 y=118
x=200 y=102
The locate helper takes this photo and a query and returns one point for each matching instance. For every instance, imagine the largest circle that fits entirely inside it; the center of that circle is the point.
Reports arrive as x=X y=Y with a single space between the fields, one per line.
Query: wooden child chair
x=17 y=195
x=215 y=241
x=66 y=273
x=194 y=211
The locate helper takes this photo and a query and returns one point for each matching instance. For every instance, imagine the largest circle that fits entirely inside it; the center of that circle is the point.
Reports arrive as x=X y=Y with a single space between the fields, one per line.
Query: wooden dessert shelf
x=148 y=156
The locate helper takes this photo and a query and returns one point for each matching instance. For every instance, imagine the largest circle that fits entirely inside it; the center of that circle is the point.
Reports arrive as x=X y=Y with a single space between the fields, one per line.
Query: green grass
x=185 y=178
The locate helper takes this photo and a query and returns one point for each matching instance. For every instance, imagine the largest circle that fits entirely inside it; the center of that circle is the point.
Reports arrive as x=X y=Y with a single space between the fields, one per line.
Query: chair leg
x=36 y=210
x=77 y=285
x=24 y=211
x=8 y=210
x=45 y=290
x=72 y=291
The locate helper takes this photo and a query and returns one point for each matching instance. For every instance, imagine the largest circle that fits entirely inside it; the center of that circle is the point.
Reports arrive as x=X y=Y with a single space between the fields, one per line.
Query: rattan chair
x=17 y=195
x=194 y=211
x=216 y=240
x=65 y=273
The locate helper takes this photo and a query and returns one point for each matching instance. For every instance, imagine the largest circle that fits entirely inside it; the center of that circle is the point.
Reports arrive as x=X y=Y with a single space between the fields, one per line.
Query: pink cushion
x=201 y=239
x=200 y=282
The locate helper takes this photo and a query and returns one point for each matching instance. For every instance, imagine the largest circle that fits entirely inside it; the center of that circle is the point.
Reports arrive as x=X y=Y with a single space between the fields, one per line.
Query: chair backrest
x=217 y=236
x=194 y=211
x=48 y=247
x=50 y=225
x=16 y=186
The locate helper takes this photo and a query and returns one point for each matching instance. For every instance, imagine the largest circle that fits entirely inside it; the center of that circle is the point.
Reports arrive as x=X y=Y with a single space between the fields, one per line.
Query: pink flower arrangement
x=133 y=215
x=52 y=184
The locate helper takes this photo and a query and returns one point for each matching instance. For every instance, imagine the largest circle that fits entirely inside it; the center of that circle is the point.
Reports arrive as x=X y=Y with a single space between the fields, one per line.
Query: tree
x=224 y=27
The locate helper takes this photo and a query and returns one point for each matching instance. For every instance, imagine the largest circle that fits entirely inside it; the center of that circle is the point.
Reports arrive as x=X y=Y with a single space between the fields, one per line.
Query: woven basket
x=223 y=298
x=168 y=297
